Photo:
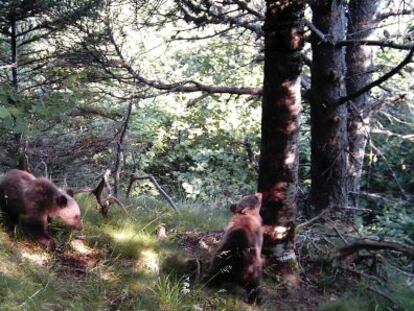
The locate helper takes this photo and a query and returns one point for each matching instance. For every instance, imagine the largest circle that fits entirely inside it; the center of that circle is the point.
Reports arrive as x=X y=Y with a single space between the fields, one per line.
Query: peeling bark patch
x=277 y=193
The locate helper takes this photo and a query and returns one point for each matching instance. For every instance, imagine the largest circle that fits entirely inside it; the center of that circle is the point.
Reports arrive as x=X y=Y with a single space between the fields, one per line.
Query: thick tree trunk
x=328 y=121
x=22 y=161
x=361 y=23
x=278 y=168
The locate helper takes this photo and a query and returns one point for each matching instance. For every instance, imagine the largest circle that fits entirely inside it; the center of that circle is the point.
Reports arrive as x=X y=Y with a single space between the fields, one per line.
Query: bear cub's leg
x=37 y=229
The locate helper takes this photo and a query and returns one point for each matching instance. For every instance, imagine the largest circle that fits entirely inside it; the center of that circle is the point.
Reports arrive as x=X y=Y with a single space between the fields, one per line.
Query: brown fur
x=238 y=259
x=29 y=202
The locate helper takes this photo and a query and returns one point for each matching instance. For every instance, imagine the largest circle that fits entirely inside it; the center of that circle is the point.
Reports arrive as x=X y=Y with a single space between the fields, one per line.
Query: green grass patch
x=126 y=257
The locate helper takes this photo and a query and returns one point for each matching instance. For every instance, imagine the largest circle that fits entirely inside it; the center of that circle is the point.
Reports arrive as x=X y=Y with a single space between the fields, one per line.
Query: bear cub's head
x=248 y=205
x=59 y=204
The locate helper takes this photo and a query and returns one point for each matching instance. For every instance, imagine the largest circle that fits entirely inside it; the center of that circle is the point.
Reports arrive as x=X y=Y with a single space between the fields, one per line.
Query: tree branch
x=380 y=80
x=135 y=178
x=369 y=244
x=391 y=13
x=188 y=86
x=104 y=203
x=387 y=44
x=327 y=40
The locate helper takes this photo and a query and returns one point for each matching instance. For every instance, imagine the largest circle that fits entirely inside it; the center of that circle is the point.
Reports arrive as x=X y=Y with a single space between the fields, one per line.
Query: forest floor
x=119 y=263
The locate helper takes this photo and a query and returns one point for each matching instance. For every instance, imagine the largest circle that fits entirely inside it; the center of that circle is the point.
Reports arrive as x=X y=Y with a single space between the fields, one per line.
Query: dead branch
x=96 y=111
x=363 y=275
x=104 y=203
x=340 y=235
x=380 y=80
x=188 y=86
x=83 y=190
x=392 y=13
x=381 y=293
x=134 y=178
x=311 y=221
x=370 y=244
x=250 y=153
x=120 y=148
x=379 y=43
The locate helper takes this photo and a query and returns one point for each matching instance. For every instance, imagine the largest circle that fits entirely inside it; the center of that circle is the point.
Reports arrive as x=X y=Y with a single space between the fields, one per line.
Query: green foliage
x=198 y=151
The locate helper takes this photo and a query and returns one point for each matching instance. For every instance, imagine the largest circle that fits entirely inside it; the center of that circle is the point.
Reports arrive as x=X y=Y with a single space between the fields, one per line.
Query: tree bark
x=14 y=54
x=22 y=161
x=328 y=121
x=361 y=22
x=278 y=167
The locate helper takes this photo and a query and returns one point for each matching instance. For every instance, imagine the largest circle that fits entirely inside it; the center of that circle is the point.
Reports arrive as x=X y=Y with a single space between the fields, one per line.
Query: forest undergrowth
x=128 y=263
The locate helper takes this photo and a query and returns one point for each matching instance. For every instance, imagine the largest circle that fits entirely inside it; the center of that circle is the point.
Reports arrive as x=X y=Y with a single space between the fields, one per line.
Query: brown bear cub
x=238 y=259
x=30 y=202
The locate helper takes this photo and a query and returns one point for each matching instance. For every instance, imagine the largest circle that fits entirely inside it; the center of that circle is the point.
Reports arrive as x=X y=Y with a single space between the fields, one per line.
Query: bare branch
x=120 y=148
x=380 y=80
x=104 y=203
x=135 y=178
x=327 y=40
x=251 y=155
x=207 y=12
x=387 y=44
x=369 y=244
x=88 y=110
x=311 y=221
x=188 y=86
x=392 y=13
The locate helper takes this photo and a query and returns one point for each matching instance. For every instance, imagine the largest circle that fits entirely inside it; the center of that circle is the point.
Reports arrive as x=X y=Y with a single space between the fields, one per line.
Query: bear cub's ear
x=61 y=201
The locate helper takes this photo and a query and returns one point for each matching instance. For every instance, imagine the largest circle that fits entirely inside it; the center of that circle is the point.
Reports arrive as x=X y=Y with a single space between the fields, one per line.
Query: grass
x=112 y=264
x=117 y=263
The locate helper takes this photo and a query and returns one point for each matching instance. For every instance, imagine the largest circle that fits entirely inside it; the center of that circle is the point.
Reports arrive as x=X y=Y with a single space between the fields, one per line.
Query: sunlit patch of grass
x=168 y=294
x=198 y=218
x=128 y=255
x=36 y=258
x=128 y=242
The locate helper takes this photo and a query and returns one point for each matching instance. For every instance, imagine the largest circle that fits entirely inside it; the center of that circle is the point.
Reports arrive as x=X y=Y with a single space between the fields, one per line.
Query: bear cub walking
x=238 y=259
x=29 y=202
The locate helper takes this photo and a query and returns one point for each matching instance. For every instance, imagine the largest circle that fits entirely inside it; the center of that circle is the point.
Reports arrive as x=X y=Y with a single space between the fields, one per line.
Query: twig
x=120 y=148
x=380 y=80
x=363 y=274
x=317 y=32
x=135 y=178
x=381 y=293
x=311 y=221
x=250 y=153
x=104 y=203
x=340 y=235
x=386 y=44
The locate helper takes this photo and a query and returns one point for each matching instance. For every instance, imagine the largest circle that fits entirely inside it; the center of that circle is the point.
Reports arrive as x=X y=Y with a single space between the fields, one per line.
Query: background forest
x=181 y=91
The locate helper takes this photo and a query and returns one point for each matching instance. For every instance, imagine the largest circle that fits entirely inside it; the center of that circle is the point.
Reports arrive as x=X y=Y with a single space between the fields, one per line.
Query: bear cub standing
x=30 y=202
x=238 y=259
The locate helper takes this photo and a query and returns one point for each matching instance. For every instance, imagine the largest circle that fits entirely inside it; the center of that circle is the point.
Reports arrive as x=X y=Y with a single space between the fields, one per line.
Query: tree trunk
x=22 y=161
x=278 y=168
x=14 y=59
x=328 y=121
x=361 y=23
